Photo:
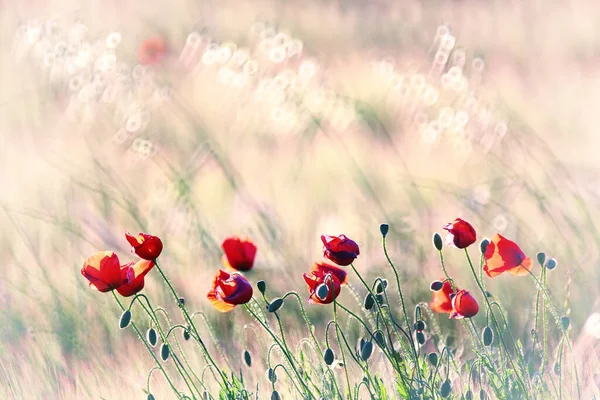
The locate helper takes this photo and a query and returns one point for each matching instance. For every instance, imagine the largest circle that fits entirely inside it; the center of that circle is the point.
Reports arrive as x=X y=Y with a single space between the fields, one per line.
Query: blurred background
x=283 y=120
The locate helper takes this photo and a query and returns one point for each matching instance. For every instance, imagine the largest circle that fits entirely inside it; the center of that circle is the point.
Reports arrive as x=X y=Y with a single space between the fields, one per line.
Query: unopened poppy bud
x=150 y=397
x=247 y=358
x=419 y=326
x=366 y=350
x=557 y=368
x=483 y=245
x=482 y=394
x=565 y=322
x=272 y=375
x=164 y=352
x=379 y=339
x=186 y=334
x=125 y=319
x=369 y=301
x=328 y=356
x=433 y=359
x=541 y=257
x=275 y=305
x=488 y=336
x=151 y=337
x=445 y=389
x=384 y=229
x=379 y=298
x=469 y=395
x=382 y=284
x=420 y=338
x=436 y=286
x=262 y=286
x=275 y=395
x=322 y=291
x=181 y=302
x=551 y=264
x=437 y=241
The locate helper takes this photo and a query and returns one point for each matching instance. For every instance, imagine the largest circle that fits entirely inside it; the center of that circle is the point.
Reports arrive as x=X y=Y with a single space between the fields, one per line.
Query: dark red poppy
x=239 y=253
x=464 y=305
x=441 y=301
x=152 y=51
x=103 y=270
x=503 y=255
x=145 y=246
x=340 y=249
x=229 y=290
x=134 y=274
x=318 y=276
x=461 y=233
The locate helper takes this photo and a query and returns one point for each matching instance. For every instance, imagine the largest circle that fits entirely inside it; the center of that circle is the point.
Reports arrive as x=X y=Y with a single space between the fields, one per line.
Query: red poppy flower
x=504 y=255
x=461 y=233
x=152 y=51
x=340 y=249
x=134 y=274
x=103 y=270
x=229 y=290
x=145 y=246
x=239 y=253
x=317 y=277
x=441 y=301
x=464 y=305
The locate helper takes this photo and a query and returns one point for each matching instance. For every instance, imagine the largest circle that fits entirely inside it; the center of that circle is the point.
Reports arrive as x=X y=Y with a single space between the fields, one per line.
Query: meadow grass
x=362 y=125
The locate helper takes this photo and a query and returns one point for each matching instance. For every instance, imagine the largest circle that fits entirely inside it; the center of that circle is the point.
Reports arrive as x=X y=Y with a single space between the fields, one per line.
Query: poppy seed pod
x=384 y=229
x=541 y=257
x=262 y=286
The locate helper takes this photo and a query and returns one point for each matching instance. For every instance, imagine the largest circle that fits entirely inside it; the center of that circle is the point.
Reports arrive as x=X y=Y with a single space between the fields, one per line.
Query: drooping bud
x=483 y=245
x=420 y=338
x=541 y=257
x=382 y=284
x=366 y=350
x=181 y=302
x=151 y=337
x=272 y=375
x=565 y=322
x=125 y=319
x=379 y=339
x=433 y=358
x=551 y=264
x=369 y=301
x=437 y=241
x=384 y=229
x=262 y=286
x=488 y=336
x=436 y=286
x=328 y=356
x=419 y=326
x=150 y=397
x=445 y=389
x=275 y=395
x=186 y=334
x=557 y=368
x=275 y=305
x=164 y=352
x=247 y=358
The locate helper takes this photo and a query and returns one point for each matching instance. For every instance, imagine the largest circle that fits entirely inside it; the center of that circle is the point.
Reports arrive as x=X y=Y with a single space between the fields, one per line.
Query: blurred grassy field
x=358 y=128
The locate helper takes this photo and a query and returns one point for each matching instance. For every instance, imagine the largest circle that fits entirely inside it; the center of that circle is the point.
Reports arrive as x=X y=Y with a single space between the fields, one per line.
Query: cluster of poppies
x=500 y=255
x=104 y=270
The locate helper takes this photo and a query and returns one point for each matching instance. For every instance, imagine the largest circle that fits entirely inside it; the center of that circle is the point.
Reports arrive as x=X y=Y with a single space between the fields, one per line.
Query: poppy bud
x=541 y=257
x=445 y=389
x=565 y=322
x=482 y=394
x=382 y=284
x=379 y=339
x=328 y=356
x=247 y=358
x=436 y=286
x=437 y=241
x=164 y=352
x=262 y=286
x=150 y=397
x=384 y=229
x=483 y=245
x=379 y=299
x=420 y=338
x=557 y=368
x=272 y=375
x=488 y=336
x=181 y=302
x=275 y=395
x=469 y=395
x=433 y=359
x=369 y=301
x=151 y=337
x=322 y=291
x=275 y=305
x=186 y=334
x=419 y=326
x=551 y=264
x=366 y=350
x=125 y=319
